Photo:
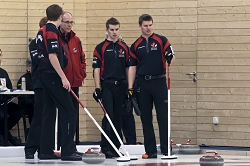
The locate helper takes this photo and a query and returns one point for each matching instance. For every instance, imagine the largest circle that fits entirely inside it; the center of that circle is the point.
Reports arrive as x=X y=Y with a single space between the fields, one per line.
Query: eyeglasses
x=69 y=22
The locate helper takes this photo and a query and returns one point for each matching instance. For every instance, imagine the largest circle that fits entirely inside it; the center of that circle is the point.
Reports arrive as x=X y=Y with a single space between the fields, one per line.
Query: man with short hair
x=56 y=89
x=33 y=139
x=149 y=54
x=110 y=63
x=75 y=69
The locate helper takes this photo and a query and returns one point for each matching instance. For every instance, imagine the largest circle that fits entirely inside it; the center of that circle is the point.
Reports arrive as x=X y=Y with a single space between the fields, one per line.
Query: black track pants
x=154 y=92
x=33 y=139
x=113 y=98
x=55 y=94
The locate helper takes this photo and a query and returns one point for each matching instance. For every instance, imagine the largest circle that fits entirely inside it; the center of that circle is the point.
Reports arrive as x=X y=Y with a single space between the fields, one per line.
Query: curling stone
x=93 y=156
x=189 y=148
x=175 y=148
x=211 y=158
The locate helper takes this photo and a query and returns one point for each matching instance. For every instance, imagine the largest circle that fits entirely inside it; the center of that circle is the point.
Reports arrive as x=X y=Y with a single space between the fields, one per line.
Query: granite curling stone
x=211 y=158
x=189 y=148
x=93 y=156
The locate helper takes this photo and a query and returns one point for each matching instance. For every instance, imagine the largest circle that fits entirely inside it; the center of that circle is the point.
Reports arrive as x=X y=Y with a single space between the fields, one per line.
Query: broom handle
x=169 y=112
x=113 y=127
x=97 y=125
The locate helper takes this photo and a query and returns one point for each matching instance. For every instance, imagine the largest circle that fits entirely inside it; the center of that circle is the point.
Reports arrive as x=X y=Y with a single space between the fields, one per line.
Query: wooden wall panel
x=13 y=37
x=228 y=3
x=222 y=10
x=222 y=65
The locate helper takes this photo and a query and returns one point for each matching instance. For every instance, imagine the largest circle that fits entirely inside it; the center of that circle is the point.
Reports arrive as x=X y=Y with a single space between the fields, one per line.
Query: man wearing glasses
x=75 y=69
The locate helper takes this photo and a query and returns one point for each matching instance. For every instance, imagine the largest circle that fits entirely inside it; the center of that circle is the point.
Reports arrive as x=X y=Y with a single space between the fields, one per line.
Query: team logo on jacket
x=74 y=50
x=54 y=44
x=153 y=46
x=121 y=53
x=39 y=37
x=94 y=60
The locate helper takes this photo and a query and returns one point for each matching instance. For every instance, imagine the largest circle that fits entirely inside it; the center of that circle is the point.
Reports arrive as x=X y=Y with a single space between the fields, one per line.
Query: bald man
x=75 y=68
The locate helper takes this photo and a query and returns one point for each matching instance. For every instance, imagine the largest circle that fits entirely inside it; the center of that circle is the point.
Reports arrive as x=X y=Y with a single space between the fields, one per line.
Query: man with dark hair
x=110 y=63
x=54 y=13
x=145 y=17
x=75 y=70
x=112 y=21
x=56 y=89
x=148 y=56
x=33 y=139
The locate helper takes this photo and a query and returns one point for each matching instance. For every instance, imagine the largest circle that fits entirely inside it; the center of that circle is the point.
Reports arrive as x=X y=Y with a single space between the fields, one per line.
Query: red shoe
x=149 y=155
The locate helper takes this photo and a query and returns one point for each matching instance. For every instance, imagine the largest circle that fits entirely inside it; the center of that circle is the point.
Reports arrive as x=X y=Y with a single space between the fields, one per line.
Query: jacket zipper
x=147 y=47
x=114 y=48
x=71 y=65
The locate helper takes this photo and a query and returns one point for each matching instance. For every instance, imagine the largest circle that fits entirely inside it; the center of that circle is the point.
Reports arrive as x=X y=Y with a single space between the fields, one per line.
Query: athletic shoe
x=48 y=156
x=72 y=157
x=29 y=155
x=149 y=155
x=79 y=153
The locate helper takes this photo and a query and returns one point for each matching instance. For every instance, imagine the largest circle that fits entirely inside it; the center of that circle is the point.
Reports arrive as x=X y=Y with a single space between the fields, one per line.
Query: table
x=4 y=95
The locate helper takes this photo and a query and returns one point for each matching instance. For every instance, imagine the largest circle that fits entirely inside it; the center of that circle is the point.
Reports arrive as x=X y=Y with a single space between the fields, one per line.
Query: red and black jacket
x=149 y=56
x=75 y=70
x=112 y=59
